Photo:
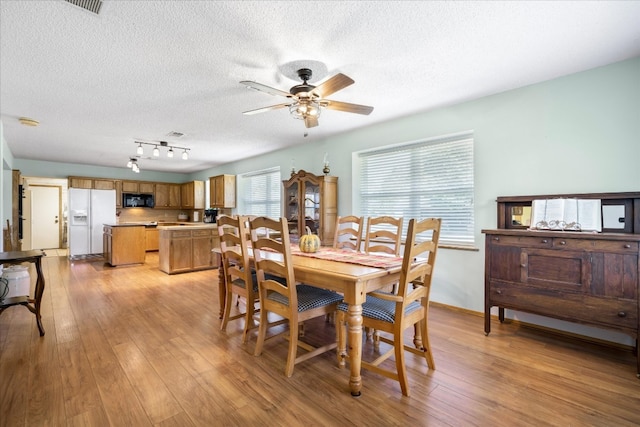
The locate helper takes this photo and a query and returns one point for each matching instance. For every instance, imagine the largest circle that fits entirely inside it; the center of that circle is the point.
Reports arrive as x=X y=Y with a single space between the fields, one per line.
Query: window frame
x=245 y=201
x=462 y=234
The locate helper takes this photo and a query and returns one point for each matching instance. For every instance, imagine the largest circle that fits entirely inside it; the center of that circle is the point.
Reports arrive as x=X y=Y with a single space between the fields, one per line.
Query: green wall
x=574 y=134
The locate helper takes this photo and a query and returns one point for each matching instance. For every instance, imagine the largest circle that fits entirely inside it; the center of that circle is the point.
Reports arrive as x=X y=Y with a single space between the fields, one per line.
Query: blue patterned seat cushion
x=240 y=283
x=254 y=278
x=376 y=308
x=308 y=297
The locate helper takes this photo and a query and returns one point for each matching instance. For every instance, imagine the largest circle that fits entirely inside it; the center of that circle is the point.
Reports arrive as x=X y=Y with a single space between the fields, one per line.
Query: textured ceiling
x=142 y=69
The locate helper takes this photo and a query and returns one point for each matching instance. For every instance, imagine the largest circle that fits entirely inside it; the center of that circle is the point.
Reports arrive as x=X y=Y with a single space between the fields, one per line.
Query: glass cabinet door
x=311 y=206
x=291 y=208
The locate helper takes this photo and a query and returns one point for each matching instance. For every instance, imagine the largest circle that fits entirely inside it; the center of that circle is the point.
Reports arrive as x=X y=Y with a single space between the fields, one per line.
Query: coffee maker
x=210 y=215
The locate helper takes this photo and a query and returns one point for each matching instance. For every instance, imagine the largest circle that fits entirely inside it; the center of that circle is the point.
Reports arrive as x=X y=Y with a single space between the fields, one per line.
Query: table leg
x=38 y=294
x=354 y=323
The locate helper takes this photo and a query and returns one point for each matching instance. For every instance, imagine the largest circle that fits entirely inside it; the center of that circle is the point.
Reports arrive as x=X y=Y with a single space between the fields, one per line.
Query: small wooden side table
x=33 y=304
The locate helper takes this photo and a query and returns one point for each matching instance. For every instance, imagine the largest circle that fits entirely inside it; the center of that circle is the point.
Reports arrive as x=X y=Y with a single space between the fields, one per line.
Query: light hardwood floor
x=131 y=346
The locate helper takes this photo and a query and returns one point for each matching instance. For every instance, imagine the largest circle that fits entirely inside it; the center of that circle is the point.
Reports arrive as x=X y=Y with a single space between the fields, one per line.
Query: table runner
x=351 y=257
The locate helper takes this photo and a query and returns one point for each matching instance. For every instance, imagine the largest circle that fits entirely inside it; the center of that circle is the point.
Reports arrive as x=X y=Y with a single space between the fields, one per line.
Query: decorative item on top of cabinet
x=192 y=195
x=311 y=201
x=584 y=277
x=222 y=191
x=168 y=196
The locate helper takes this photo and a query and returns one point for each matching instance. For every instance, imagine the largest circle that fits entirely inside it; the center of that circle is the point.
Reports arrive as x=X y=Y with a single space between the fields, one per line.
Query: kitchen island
x=187 y=247
x=124 y=243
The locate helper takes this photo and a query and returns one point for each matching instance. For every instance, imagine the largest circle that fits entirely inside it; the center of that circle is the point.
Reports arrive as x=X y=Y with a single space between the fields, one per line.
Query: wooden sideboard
x=587 y=278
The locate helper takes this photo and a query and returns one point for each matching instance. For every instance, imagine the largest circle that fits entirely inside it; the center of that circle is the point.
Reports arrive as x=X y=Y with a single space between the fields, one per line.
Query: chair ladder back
x=265 y=251
x=419 y=258
x=384 y=234
x=348 y=229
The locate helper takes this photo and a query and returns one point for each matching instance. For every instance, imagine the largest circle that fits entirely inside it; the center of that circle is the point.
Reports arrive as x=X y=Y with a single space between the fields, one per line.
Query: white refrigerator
x=89 y=210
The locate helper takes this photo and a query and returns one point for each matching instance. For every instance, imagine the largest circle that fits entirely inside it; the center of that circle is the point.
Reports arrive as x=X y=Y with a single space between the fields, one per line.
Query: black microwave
x=137 y=200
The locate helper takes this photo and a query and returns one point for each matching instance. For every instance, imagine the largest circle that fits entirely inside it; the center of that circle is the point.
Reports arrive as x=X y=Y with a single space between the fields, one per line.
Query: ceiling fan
x=306 y=100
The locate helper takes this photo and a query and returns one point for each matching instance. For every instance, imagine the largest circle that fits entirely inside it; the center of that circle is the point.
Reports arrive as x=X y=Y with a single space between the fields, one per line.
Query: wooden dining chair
x=292 y=301
x=409 y=308
x=383 y=235
x=348 y=232
x=239 y=278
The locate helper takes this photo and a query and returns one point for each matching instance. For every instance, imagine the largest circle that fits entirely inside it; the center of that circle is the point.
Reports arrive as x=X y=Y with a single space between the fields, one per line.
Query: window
x=430 y=178
x=260 y=193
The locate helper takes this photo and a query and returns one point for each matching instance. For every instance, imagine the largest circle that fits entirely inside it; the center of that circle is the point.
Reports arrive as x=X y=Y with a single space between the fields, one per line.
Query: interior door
x=45 y=217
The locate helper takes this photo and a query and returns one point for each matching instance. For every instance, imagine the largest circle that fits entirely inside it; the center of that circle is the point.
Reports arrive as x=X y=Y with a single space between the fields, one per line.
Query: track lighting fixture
x=133 y=165
x=165 y=144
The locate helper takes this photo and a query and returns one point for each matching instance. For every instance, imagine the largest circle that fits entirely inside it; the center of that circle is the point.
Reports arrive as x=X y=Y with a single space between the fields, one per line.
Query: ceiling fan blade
x=264 y=88
x=265 y=109
x=311 y=121
x=334 y=84
x=346 y=107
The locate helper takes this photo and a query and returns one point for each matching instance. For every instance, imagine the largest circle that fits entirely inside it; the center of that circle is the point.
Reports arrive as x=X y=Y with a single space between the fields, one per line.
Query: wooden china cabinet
x=311 y=201
x=584 y=277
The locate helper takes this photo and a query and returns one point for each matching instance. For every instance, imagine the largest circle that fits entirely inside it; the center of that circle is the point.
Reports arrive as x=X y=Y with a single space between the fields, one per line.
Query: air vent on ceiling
x=91 y=5
x=175 y=134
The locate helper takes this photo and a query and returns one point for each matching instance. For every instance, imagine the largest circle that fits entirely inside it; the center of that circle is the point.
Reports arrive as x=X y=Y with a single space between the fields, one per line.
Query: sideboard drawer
x=528 y=242
x=607 y=312
x=596 y=245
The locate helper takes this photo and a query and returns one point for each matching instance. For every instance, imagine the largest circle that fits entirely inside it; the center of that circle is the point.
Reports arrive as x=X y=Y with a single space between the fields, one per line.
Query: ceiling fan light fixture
x=305 y=108
x=130 y=163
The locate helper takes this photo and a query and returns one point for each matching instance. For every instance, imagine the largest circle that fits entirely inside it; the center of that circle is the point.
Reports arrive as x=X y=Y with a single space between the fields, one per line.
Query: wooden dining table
x=351 y=279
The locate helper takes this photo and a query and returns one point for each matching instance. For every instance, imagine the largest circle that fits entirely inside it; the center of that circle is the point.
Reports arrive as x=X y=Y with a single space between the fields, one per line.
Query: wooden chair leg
x=293 y=347
x=227 y=311
x=262 y=332
x=248 y=320
x=400 y=367
x=426 y=345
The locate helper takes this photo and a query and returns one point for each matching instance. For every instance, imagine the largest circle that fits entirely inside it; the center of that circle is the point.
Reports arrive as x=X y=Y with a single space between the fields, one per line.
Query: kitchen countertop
x=190 y=225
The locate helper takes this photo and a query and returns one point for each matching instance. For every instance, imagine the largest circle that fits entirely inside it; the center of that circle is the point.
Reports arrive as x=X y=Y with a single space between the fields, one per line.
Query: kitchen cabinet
x=192 y=195
x=124 y=245
x=311 y=201
x=91 y=183
x=186 y=248
x=138 y=187
x=118 y=186
x=104 y=184
x=152 y=239
x=168 y=196
x=80 y=182
x=587 y=278
x=222 y=191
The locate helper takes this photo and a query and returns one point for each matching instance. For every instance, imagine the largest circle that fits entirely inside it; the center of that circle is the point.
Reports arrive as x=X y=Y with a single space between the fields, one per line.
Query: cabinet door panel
x=566 y=270
x=505 y=263
x=202 y=255
x=614 y=275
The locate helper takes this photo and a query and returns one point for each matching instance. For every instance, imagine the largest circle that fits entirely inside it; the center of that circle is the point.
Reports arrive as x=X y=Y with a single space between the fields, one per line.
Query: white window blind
x=261 y=193
x=432 y=178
